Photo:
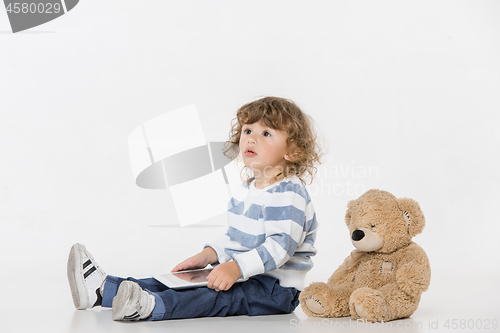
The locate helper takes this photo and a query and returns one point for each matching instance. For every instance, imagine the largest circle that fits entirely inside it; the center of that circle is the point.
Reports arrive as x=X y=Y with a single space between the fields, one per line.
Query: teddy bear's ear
x=413 y=215
x=348 y=213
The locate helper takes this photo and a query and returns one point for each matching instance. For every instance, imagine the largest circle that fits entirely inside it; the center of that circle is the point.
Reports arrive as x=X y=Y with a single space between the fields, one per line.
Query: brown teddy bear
x=384 y=277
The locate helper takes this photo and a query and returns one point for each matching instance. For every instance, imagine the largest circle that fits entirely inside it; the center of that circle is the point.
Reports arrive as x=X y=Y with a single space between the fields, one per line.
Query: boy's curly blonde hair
x=284 y=115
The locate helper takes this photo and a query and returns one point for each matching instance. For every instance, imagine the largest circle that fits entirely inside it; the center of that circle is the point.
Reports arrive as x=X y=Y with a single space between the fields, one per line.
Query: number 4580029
x=478 y=324
x=32 y=8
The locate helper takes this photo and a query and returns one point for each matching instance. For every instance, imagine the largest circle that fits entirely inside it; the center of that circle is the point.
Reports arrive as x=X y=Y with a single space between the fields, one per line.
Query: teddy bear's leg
x=369 y=304
x=402 y=304
x=322 y=300
x=385 y=304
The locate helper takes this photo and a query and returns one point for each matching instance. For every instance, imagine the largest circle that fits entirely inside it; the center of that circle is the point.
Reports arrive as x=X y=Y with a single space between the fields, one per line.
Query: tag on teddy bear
x=386 y=267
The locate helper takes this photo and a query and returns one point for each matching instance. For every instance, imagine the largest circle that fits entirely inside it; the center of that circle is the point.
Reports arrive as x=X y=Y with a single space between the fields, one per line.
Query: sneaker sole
x=125 y=296
x=76 y=281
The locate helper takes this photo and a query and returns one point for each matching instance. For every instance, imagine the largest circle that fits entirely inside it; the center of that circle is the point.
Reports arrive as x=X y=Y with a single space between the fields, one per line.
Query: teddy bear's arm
x=414 y=276
x=345 y=273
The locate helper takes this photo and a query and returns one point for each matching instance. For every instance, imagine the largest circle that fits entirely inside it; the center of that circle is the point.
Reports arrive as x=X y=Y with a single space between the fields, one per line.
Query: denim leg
x=149 y=284
x=260 y=295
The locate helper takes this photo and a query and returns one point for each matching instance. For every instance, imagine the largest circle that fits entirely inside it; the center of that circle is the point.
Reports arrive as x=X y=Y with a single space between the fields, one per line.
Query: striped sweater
x=271 y=231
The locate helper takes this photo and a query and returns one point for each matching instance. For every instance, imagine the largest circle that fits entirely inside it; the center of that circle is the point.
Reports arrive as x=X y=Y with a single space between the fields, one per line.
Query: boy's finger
x=211 y=281
x=176 y=268
x=217 y=284
x=179 y=267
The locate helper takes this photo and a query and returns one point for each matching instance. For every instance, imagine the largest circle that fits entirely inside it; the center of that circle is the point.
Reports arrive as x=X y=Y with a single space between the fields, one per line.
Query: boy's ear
x=292 y=155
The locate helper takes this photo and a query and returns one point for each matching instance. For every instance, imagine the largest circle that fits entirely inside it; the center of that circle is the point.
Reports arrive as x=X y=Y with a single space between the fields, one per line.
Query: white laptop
x=187 y=279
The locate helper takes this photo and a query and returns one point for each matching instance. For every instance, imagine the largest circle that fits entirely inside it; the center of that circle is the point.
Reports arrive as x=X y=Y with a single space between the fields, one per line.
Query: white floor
x=35 y=295
x=31 y=305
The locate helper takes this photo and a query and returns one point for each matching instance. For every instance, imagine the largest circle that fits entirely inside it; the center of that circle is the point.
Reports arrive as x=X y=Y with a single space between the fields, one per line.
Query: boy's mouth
x=250 y=152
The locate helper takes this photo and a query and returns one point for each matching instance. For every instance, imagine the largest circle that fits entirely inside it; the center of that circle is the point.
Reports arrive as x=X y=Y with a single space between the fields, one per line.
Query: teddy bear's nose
x=357 y=235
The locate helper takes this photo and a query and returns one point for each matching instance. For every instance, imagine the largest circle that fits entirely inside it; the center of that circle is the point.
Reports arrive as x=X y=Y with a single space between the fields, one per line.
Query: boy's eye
x=247 y=131
x=266 y=133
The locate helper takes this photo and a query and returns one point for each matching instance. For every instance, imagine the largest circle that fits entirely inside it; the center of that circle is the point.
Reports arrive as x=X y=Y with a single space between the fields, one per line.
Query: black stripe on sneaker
x=98 y=302
x=85 y=264
x=132 y=316
x=90 y=271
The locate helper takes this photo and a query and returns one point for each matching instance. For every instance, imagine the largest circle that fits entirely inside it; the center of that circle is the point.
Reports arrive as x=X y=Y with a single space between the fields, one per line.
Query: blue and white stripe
x=271 y=231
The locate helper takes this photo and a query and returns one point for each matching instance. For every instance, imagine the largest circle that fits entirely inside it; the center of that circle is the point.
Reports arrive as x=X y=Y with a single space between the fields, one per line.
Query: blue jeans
x=259 y=295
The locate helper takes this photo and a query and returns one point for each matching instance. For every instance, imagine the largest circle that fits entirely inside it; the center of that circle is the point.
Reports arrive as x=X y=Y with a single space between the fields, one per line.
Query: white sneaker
x=85 y=278
x=132 y=303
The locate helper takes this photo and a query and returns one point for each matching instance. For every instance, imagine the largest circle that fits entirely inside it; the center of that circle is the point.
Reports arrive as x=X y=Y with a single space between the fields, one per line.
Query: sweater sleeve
x=218 y=245
x=284 y=221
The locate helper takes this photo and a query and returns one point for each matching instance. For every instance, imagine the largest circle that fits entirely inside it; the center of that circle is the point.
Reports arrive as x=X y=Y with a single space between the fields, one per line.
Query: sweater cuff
x=222 y=257
x=250 y=263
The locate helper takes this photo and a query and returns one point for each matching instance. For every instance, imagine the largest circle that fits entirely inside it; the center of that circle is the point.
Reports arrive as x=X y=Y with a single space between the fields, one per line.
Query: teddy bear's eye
x=373 y=225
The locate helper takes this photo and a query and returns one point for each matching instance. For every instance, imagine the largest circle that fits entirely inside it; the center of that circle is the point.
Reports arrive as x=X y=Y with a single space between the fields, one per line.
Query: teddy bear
x=384 y=277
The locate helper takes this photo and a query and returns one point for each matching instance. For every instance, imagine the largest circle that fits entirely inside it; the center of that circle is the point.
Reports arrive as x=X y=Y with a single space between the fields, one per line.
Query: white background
x=404 y=93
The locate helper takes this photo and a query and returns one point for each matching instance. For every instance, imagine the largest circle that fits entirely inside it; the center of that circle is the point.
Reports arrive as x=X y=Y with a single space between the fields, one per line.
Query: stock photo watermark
x=431 y=324
x=343 y=179
x=24 y=15
x=332 y=180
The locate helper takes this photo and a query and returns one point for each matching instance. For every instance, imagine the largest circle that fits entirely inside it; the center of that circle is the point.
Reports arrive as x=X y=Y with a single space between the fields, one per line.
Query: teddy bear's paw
x=321 y=300
x=310 y=299
x=361 y=313
x=413 y=279
x=369 y=304
x=315 y=305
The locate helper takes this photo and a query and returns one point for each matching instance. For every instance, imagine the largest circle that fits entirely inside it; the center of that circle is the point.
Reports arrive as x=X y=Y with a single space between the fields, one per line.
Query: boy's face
x=263 y=149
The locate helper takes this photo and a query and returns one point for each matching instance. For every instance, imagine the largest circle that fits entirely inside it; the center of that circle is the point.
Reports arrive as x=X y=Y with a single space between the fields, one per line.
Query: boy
x=270 y=239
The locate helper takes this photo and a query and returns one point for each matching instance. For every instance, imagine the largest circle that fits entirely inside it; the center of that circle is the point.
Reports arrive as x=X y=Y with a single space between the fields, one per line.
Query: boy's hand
x=224 y=276
x=200 y=260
